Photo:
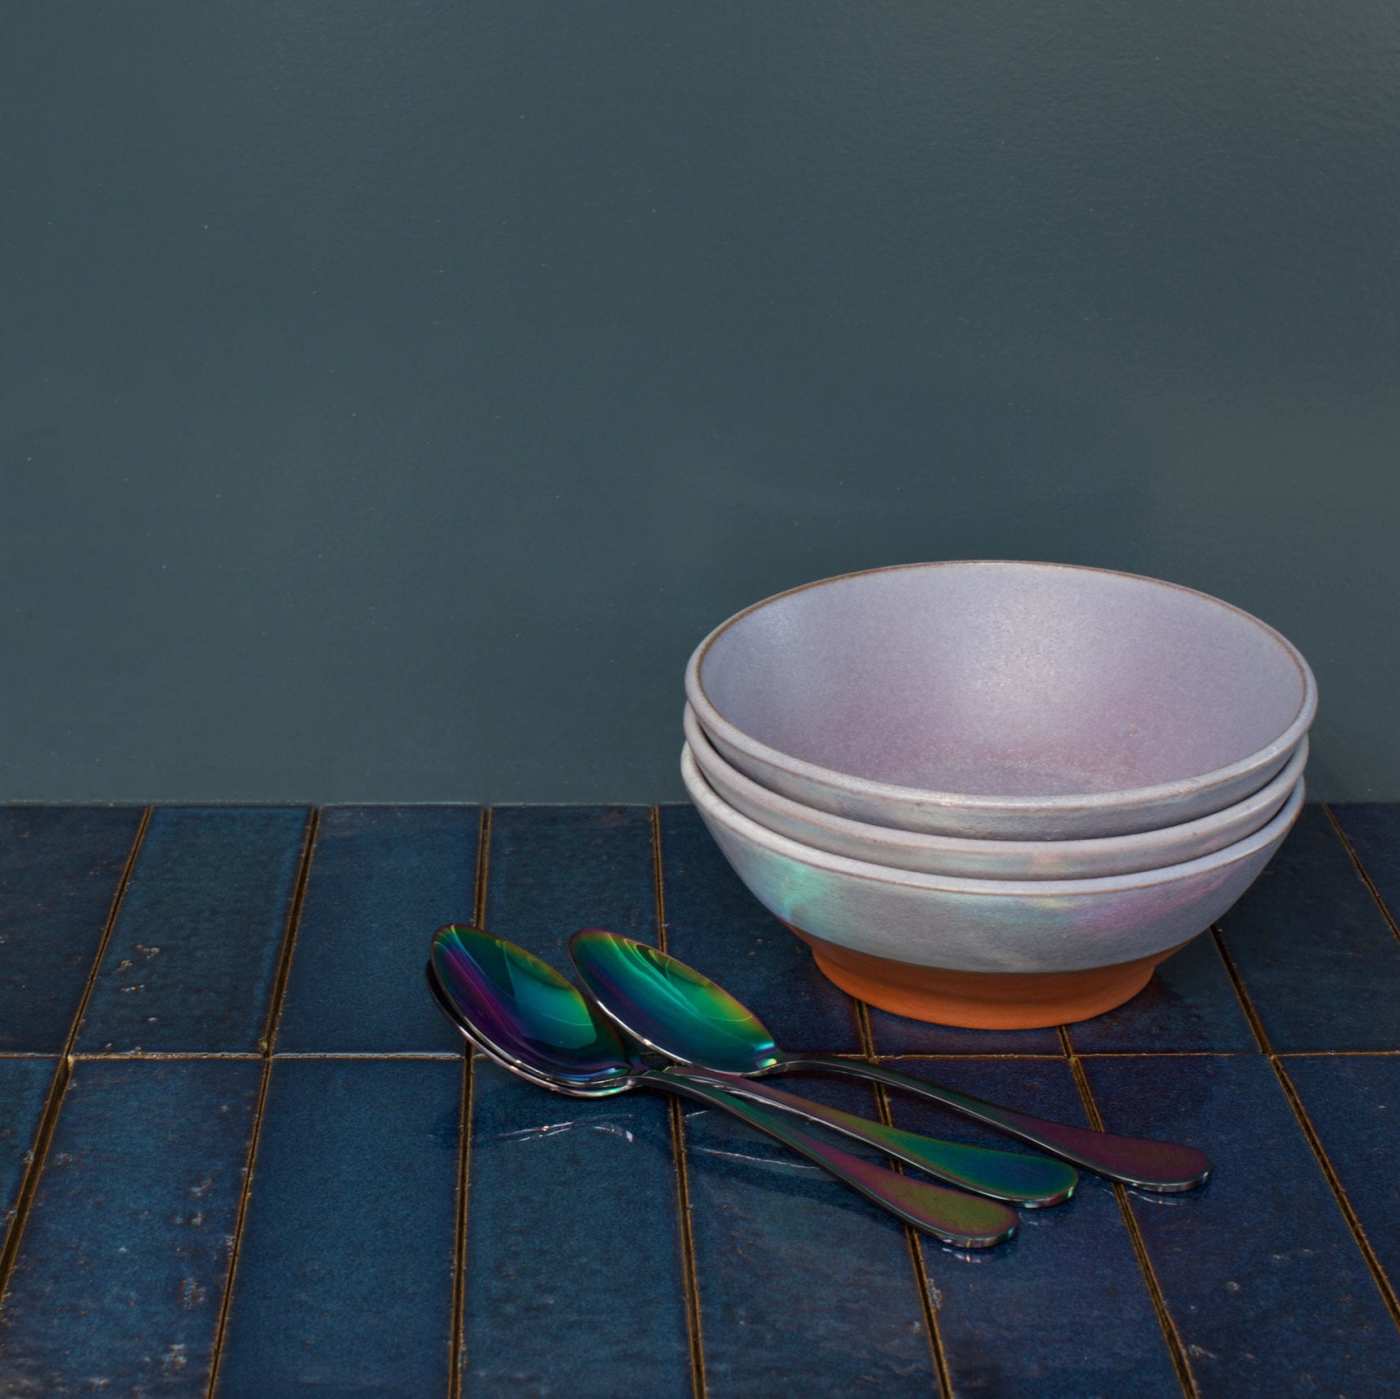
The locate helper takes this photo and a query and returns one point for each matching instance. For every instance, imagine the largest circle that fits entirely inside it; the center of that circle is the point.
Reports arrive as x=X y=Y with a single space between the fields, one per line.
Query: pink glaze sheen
x=1003 y=700
x=984 y=925
x=991 y=859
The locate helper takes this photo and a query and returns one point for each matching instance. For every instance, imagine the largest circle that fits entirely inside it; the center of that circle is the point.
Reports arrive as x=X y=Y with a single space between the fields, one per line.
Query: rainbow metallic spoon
x=520 y=1012
x=680 y=1013
x=486 y=968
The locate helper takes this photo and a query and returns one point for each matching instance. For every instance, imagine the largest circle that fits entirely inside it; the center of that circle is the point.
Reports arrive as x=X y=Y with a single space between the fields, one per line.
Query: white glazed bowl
x=983 y=952
x=991 y=859
x=1002 y=700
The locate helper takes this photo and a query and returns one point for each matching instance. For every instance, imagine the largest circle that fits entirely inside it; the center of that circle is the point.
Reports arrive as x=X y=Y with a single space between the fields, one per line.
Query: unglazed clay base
x=982 y=1000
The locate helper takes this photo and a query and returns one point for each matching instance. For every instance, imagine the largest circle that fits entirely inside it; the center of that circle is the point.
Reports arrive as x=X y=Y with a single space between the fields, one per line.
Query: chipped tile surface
x=1237 y=1259
x=1314 y=950
x=798 y=1275
x=378 y=876
x=24 y=1085
x=1026 y=1318
x=1354 y=1104
x=194 y=953
x=123 y=1258
x=59 y=871
x=575 y=1269
x=344 y=1279
x=567 y=1265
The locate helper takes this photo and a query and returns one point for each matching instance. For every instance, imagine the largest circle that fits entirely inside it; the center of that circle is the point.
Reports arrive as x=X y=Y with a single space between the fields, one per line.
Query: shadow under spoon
x=680 y=1013
x=524 y=1015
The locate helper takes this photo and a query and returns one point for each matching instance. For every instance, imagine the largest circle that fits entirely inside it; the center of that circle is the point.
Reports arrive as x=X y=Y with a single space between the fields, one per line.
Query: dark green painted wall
x=392 y=393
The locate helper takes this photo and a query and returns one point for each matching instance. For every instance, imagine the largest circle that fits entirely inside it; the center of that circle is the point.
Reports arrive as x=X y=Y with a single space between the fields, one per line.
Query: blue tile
x=124 y=1259
x=1189 y=1004
x=1373 y=828
x=555 y=869
x=1313 y=950
x=194 y=953
x=1029 y=1318
x=805 y=1286
x=894 y=1034
x=24 y=1085
x=1258 y=1269
x=381 y=879
x=345 y=1274
x=573 y=1262
x=716 y=925
x=59 y=870
x=1354 y=1105
x=573 y=1265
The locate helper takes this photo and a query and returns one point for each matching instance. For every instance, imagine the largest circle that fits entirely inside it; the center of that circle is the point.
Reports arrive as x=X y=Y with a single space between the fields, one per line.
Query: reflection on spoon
x=524 y=1015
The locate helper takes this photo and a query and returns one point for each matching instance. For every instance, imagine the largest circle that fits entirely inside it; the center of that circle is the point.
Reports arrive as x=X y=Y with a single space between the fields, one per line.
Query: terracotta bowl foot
x=981 y=1000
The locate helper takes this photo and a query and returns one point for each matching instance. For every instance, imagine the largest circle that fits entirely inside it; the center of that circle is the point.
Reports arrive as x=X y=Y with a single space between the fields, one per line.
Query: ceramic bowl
x=991 y=859
x=1003 y=701
x=983 y=953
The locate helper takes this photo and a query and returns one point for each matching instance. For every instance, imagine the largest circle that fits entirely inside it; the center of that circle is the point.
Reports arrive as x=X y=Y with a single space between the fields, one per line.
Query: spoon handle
x=1030 y=1181
x=963 y=1221
x=1166 y=1167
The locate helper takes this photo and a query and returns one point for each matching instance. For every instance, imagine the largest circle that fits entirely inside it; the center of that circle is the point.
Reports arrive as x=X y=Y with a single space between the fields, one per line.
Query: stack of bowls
x=996 y=794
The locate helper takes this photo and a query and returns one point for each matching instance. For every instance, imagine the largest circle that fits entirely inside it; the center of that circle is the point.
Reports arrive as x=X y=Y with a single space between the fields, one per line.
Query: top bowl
x=1000 y=700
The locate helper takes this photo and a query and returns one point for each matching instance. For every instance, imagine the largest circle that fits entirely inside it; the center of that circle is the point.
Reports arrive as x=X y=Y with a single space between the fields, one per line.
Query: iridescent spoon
x=1029 y=1181
x=676 y=1011
x=524 y=1015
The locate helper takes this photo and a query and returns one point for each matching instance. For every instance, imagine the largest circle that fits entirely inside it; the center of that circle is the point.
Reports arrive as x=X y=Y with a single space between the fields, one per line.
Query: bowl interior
x=1005 y=679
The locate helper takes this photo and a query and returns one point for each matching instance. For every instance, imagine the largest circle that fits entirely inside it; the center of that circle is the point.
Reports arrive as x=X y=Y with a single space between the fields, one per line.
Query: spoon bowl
x=669 y=1006
x=681 y=1013
x=520 y=1012
x=524 y=1014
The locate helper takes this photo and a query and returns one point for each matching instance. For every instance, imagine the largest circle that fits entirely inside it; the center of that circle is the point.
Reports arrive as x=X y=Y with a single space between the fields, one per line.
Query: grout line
x=29 y=1186
x=457 y=1326
x=1313 y=1139
x=97 y=1055
x=952 y=1057
x=63 y=1070
x=938 y=1354
x=118 y=898
x=372 y=1056
x=273 y=1024
x=1165 y=1053
x=456 y=1361
x=236 y=1246
x=1361 y=870
x=684 y=1215
x=129 y=1056
x=1378 y=1274
x=268 y=1042
x=1175 y=1346
x=1256 y=1025
x=948 y=1058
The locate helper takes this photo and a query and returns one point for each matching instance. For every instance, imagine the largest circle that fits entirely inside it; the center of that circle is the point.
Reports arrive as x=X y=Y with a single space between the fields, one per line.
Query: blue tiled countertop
x=240 y=1152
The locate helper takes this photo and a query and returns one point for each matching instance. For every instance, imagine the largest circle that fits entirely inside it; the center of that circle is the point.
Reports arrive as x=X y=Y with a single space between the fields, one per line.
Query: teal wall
x=392 y=393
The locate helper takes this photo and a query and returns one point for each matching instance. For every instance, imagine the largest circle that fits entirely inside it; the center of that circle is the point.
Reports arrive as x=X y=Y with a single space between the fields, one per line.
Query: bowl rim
x=897 y=838
x=1124 y=798
x=711 y=803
